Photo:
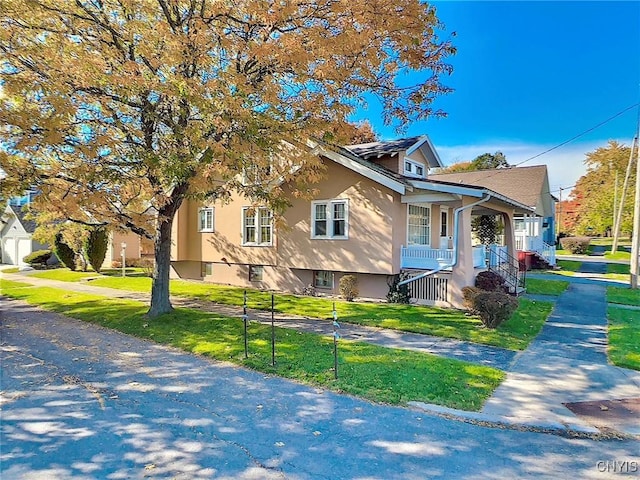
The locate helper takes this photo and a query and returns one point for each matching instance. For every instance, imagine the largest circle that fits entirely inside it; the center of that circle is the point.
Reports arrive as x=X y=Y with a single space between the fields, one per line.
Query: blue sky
x=531 y=75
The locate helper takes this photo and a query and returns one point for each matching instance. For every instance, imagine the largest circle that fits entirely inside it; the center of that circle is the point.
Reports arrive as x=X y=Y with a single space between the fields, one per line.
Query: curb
x=514 y=423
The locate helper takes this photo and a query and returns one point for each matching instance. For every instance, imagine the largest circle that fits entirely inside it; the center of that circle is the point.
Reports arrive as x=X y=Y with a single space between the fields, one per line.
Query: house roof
x=523 y=184
x=381 y=149
x=470 y=190
x=20 y=212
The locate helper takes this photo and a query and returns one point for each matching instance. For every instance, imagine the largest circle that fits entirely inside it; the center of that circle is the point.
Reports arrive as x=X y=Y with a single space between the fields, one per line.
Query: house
x=535 y=232
x=377 y=213
x=16 y=236
x=16 y=233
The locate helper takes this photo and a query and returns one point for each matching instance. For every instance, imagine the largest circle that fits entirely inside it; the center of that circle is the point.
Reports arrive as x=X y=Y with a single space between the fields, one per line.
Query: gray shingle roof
x=381 y=149
x=29 y=225
x=523 y=184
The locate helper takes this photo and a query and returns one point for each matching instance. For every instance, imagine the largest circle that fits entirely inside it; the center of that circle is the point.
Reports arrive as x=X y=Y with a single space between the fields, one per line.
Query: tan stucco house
x=377 y=213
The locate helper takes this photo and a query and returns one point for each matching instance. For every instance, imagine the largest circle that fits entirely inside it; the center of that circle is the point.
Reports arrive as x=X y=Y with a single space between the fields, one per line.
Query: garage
x=14 y=249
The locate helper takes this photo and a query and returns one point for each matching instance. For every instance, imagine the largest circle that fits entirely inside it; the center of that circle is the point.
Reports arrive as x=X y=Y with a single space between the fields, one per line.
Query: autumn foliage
x=118 y=111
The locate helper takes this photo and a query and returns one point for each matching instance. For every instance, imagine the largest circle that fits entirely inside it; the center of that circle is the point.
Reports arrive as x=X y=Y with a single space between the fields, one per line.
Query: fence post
x=273 y=334
x=336 y=336
x=244 y=320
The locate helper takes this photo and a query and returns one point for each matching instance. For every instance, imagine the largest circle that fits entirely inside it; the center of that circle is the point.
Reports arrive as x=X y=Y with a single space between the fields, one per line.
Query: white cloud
x=565 y=165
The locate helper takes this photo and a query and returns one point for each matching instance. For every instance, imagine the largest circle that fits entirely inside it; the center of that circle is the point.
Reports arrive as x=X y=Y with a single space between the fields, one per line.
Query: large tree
x=596 y=190
x=119 y=110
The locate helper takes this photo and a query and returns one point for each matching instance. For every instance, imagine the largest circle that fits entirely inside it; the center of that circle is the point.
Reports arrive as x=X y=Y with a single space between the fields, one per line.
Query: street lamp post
x=123 y=252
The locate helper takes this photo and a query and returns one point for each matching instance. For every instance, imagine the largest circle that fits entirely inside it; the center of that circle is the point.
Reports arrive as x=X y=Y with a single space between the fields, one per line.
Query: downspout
x=456 y=226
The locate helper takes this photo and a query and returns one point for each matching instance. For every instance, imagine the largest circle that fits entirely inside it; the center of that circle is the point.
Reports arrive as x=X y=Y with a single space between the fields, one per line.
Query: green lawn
x=619 y=255
x=66 y=275
x=624 y=336
x=376 y=373
x=546 y=287
x=514 y=334
x=623 y=295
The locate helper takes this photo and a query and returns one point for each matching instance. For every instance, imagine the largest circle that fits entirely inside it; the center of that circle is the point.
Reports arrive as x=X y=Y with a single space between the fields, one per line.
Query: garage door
x=15 y=249
x=9 y=251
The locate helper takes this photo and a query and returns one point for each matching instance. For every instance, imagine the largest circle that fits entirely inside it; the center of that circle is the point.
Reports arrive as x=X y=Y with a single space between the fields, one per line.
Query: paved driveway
x=79 y=401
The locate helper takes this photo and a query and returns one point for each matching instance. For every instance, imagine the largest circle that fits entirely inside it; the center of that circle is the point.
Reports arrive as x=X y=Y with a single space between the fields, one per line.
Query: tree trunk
x=160 y=301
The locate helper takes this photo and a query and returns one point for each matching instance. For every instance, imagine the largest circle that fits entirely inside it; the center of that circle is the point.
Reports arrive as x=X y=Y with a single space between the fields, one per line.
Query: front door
x=445 y=232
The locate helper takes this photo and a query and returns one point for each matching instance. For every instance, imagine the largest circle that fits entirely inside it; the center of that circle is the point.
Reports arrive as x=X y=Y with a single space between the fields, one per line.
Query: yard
x=379 y=374
x=515 y=334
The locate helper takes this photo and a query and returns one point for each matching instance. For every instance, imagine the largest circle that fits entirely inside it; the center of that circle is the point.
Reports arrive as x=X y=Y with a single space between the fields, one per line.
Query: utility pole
x=560 y=213
x=618 y=221
x=635 y=238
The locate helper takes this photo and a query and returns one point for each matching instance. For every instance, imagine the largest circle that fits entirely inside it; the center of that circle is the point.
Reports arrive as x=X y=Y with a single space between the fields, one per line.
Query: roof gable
x=374 y=150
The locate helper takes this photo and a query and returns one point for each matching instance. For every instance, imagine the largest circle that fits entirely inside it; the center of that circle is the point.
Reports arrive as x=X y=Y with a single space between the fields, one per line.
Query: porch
x=421 y=257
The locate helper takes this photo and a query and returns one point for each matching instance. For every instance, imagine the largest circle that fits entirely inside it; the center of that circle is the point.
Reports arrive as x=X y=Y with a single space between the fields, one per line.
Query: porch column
x=462 y=274
x=435 y=226
x=509 y=233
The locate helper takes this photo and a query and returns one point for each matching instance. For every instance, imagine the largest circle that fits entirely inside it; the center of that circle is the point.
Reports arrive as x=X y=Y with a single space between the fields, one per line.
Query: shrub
x=398 y=293
x=469 y=294
x=349 y=287
x=490 y=282
x=576 y=245
x=38 y=258
x=494 y=307
x=64 y=252
x=310 y=291
x=116 y=264
x=146 y=264
x=95 y=247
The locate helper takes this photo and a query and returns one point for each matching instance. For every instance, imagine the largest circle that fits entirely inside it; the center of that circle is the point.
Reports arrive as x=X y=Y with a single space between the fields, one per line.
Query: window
x=206 y=269
x=323 y=279
x=330 y=219
x=257 y=226
x=413 y=169
x=444 y=216
x=419 y=225
x=205 y=219
x=256 y=273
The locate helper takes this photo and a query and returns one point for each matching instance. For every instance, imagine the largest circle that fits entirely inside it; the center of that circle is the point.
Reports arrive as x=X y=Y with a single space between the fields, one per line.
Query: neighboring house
x=376 y=214
x=530 y=186
x=16 y=234
x=130 y=244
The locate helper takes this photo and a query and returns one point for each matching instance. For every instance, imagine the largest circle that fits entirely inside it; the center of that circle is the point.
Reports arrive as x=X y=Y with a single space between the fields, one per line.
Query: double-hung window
x=257 y=226
x=205 y=220
x=418 y=225
x=330 y=219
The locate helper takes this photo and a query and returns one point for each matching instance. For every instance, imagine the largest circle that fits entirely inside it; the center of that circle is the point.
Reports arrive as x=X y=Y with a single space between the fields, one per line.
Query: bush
x=310 y=291
x=494 y=307
x=95 y=247
x=576 y=245
x=39 y=258
x=469 y=294
x=144 y=263
x=398 y=294
x=490 y=282
x=349 y=287
x=64 y=252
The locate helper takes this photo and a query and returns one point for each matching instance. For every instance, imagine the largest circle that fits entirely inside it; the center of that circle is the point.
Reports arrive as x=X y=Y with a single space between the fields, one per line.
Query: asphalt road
x=82 y=402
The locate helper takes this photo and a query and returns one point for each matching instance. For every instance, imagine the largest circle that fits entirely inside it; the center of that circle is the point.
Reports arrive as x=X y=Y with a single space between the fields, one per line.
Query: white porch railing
x=427 y=258
x=479 y=256
x=535 y=244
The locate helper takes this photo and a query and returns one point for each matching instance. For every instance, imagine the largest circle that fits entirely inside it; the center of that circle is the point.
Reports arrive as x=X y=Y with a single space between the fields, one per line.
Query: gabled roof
x=360 y=165
x=381 y=149
x=20 y=212
x=523 y=184
x=391 y=148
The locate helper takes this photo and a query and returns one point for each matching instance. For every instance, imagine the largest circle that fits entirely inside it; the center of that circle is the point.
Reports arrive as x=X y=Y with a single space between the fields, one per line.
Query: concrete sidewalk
x=445 y=347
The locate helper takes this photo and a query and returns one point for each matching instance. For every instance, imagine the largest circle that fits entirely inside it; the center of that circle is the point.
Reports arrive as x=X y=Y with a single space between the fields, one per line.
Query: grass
x=376 y=373
x=624 y=296
x=11 y=270
x=410 y=318
x=619 y=255
x=66 y=275
x=624 y=337
x=546 y=287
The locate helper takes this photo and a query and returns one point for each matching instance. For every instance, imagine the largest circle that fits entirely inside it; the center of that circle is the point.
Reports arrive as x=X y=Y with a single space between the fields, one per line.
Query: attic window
x=413 y=169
